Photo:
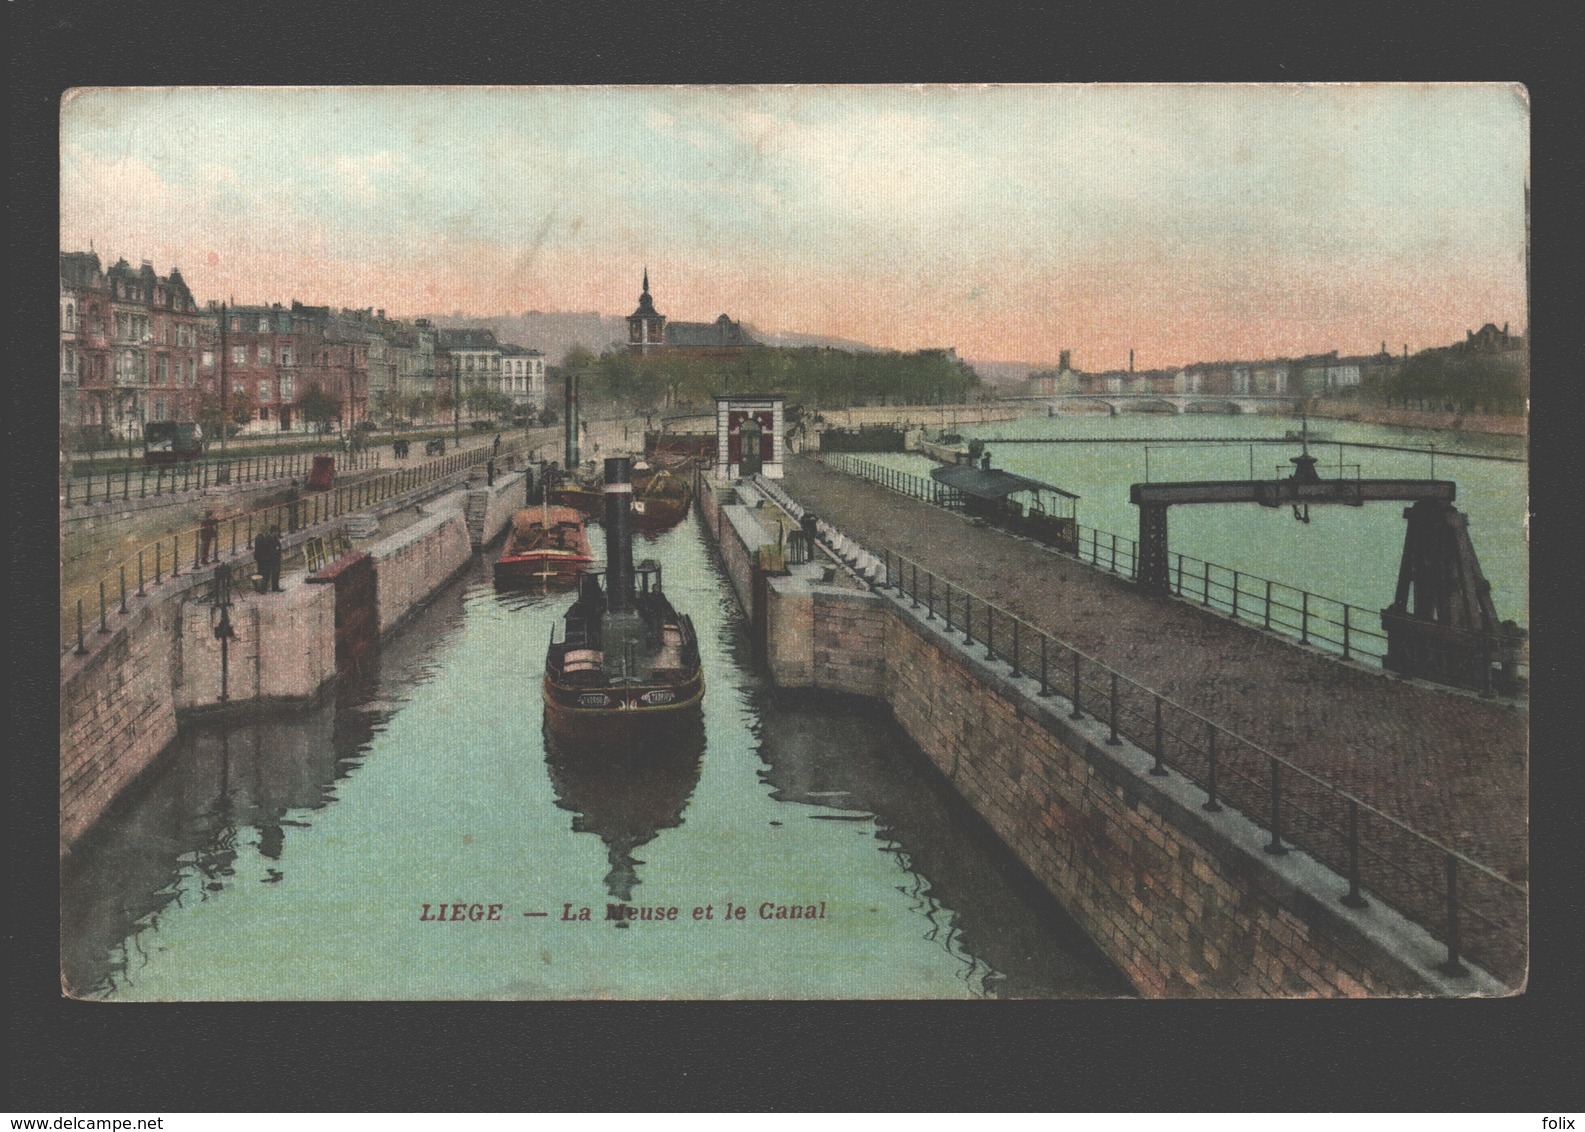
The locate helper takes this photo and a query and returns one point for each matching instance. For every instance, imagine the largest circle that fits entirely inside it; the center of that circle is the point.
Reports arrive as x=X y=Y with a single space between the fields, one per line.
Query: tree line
x=1454 y=379
x=814 y=376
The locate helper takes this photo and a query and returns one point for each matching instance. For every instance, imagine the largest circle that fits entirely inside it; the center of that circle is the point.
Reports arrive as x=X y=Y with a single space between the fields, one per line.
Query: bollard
x=1158 y=770
x=1078 y=711
x=1275 y=847
x=1352 y=898
x=1112 y=740
x=1211 y=804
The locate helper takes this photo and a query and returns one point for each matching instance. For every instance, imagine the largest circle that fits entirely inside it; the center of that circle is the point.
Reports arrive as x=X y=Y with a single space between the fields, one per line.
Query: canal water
x=1350 y=554
x=293 y=857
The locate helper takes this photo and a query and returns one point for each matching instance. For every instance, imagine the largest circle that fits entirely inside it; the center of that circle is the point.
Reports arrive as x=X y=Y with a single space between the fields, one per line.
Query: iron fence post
x=1452 y=966
x=990 y=631
x=1158 y=770
x=914 y=597
x=1235 y=595
x=1211 y=804
x=1112 y=740
x=158 y=565
x=1205 y=586
x=1180 y=575
x=123 y=589
x=968 y=619
x=143 y=483
x=1268 y=603
x=140 y=573
x=1275 y=847
x=1045 y=672
x=176 y=555
x=1304 y=617
x=1078 y=711
x=1345 y=630
x=103 y=625
x=1017 y=671
x=81 y=649
x=1352 y=898
x=930 y=596
x=1112 y=567
x=950 y=627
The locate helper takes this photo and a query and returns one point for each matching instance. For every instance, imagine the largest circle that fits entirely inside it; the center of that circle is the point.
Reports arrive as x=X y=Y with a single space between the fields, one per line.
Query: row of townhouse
x=136 y=347
x=1312 y=375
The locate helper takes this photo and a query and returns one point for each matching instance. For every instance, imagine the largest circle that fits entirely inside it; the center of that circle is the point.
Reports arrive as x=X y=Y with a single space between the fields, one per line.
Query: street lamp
x=223 y=381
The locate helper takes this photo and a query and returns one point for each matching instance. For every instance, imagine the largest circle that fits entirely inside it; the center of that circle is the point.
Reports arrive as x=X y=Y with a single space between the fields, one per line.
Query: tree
x=319 y=408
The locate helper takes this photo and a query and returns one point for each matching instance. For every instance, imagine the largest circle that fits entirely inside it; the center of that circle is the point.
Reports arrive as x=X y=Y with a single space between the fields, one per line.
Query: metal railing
x=87 y=609
x=1350 y=631
x=143 y=482
x=1471 y=908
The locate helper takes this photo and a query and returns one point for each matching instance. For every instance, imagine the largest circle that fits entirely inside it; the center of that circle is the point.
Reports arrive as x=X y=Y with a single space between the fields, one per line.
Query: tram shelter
x=1041 y=511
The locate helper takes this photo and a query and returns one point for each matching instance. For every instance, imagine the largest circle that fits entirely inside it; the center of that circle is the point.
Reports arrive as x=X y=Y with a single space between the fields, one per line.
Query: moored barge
x=546 y=544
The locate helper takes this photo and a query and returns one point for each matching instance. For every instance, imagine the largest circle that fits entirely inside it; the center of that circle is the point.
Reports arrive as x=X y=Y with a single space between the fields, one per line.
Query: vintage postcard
x=817 y=542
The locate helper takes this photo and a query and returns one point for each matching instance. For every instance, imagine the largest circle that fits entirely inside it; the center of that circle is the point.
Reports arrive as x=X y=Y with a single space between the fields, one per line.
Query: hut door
x=753 y=463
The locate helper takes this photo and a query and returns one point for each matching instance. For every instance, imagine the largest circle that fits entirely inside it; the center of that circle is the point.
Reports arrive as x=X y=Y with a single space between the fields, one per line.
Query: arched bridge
x=1176 y=403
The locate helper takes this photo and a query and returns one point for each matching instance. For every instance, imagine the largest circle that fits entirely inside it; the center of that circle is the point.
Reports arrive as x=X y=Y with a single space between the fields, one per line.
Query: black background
x=1515 y=1054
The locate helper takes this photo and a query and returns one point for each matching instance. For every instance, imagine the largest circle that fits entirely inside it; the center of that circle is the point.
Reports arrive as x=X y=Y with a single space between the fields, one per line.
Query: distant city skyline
x=1187 y=223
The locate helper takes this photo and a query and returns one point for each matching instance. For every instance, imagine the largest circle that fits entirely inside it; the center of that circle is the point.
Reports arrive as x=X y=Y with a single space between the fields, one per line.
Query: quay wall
x=121 y=703
x=1186 y=903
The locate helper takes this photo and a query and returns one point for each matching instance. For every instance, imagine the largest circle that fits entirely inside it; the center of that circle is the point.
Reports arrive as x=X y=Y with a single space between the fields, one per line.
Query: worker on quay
x=267 y=552
x=207 y=532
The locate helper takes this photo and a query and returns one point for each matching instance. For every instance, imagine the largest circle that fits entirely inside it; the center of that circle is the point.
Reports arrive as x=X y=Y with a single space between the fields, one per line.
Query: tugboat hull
x=623 y=714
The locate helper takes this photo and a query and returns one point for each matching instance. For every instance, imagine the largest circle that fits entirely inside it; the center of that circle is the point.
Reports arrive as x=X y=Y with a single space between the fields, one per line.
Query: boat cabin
x=1042 y=511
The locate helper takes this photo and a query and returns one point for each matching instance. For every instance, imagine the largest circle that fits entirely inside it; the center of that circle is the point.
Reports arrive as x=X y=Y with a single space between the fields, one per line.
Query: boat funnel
x=619 y=534
x=570 y=423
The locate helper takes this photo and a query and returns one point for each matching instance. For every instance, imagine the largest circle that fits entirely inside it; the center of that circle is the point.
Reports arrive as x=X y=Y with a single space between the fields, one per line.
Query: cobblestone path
x=1449 y=764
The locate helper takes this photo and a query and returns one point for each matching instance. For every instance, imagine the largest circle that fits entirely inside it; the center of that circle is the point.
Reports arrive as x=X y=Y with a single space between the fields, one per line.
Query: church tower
x=646 y=327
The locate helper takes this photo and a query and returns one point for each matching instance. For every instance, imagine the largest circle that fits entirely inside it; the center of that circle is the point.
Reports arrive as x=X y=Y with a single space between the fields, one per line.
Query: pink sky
x=1187 y=223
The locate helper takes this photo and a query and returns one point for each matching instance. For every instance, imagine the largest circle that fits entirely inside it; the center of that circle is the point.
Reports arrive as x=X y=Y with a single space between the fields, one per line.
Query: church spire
x=646 y=279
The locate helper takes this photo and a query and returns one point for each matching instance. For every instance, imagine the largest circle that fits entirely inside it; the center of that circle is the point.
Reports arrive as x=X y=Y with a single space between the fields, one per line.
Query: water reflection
x=982 y=907
x=626 y=797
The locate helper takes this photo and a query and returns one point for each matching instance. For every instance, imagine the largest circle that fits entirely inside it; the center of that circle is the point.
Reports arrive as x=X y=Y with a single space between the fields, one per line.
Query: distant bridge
x=1176 y=403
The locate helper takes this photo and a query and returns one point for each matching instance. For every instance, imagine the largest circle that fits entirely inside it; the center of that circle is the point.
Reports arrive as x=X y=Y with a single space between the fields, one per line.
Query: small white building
x=750 y=436
x=523 y=375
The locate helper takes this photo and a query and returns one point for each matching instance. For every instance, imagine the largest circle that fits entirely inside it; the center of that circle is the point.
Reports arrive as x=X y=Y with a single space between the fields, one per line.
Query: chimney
x=1130 y=359
x=619 y=534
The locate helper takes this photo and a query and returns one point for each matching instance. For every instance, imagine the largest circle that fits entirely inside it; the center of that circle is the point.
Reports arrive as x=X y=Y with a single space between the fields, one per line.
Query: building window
x=264 y=391
x=238 y=389
x=264 y=355
x=264 y=324
x=236 y=322
x=286 y=353
x=264 y=412
x=209 y=359
x=69 y=361
x=239 y=355
x=162 y=369
x=70 y=322
x=286 y=387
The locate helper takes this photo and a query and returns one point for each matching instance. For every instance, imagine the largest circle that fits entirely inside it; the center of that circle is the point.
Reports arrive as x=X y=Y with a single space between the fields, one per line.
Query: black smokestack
x=618 y=534
x=570 y=422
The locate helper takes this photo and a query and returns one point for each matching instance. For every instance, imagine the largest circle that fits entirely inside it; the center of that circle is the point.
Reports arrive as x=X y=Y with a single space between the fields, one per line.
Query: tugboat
x=627 y=662
x=546 y=544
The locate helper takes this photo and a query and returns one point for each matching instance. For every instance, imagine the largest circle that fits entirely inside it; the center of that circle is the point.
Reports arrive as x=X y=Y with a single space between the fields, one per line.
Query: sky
x=1188 y=223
